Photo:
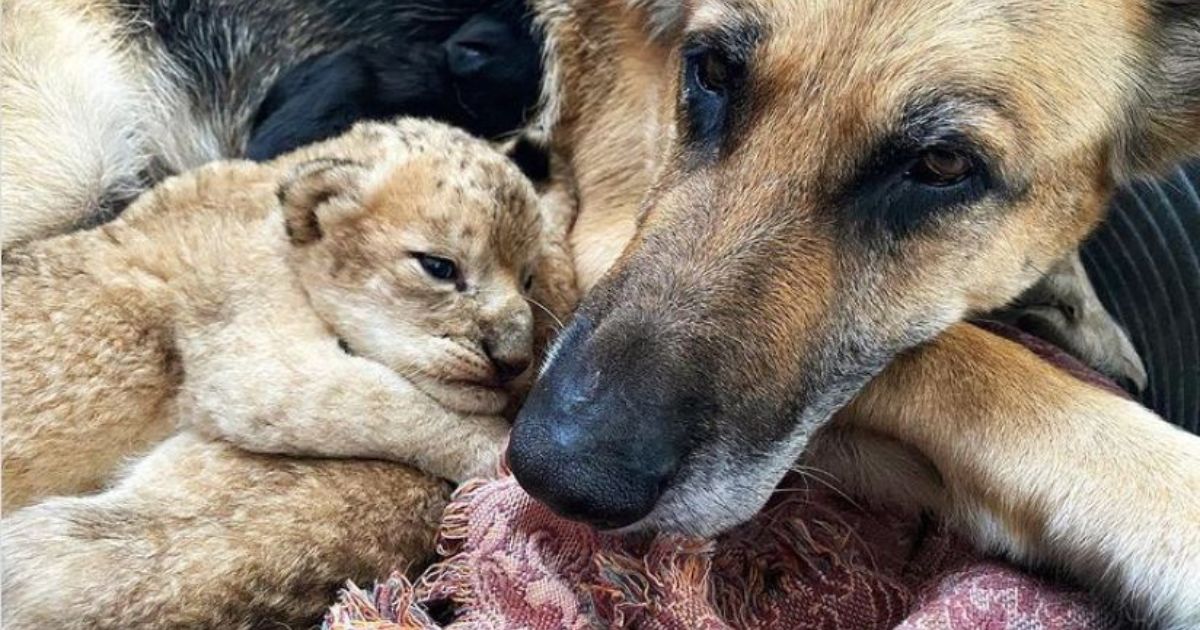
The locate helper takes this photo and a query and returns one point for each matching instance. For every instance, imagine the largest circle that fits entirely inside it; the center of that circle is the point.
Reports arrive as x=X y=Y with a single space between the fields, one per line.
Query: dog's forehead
x=904 y=17
x=843 y=71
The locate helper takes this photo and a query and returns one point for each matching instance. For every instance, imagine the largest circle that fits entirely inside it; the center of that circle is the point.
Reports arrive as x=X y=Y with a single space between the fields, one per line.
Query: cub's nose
x=583 y=447
x=507 y=362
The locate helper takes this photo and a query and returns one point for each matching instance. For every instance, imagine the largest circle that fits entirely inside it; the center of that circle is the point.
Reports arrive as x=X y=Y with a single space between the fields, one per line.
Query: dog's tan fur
x=1028 y=461
x=1060 y=473
x=611 y=114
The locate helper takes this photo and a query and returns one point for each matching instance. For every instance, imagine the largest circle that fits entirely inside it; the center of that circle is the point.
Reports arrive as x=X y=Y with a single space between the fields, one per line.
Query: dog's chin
x=703 y=516
x=466 y=397
x=706 y=506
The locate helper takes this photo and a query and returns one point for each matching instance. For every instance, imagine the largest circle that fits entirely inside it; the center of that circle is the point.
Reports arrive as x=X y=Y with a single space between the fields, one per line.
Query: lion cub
x=365 y=297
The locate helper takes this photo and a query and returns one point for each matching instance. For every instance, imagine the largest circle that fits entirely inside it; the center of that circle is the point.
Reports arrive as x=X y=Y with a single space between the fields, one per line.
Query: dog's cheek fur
x=1164 y=114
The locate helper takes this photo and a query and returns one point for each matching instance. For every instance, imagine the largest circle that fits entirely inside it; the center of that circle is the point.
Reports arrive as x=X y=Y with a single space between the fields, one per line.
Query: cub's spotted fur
x=365 y=297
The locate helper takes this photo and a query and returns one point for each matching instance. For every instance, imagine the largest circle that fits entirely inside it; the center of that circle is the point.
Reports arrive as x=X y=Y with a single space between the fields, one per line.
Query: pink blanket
x=811 y=559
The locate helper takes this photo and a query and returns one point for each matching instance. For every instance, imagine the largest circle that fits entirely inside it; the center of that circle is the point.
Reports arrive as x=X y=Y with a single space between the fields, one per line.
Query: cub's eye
x=527 y=285
x=939 y=168
x=437 y=267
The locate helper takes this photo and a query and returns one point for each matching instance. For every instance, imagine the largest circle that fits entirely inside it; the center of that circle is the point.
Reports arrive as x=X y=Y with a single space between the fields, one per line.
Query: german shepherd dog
x=834 y=186
x=787 y=208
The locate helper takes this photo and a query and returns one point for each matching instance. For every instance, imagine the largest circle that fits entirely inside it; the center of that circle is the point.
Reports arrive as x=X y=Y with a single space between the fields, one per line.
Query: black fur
x=484 y=78
x=532 y=159
x=325 y=95
x=291 y=71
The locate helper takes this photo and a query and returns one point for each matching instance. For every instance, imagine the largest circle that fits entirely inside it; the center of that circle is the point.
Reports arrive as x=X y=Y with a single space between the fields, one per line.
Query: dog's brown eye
x=941 y=167
x=713 y=72
x=438 y=267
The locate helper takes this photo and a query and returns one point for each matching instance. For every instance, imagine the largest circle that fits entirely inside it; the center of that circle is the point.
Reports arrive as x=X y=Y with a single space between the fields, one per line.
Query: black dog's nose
x=476 y=43
x=585 y=448
x=467 y=58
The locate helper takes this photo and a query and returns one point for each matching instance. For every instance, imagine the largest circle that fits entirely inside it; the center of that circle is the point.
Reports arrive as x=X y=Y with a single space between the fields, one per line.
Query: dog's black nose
x=605 y=485
x=467 y=58
x=584 y=446
x=478 y=42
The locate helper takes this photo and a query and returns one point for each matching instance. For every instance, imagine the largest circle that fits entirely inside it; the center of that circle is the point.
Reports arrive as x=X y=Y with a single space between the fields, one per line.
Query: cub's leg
x=89 y=369
x=202 y=534
x=291 y=393
x=1040 y=466
x=71 y=110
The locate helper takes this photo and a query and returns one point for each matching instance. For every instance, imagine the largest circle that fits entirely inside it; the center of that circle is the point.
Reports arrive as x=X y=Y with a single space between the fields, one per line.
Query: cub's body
x=363 y=299
x=92 y=323
x=274 y=306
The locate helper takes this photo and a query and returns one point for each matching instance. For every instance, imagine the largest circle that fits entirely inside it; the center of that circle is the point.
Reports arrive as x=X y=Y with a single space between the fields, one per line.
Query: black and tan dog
x=834 y=186
x=105 y=97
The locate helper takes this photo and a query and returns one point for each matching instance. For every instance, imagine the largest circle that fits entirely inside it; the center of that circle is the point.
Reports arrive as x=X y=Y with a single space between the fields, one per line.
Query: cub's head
x=416 y=244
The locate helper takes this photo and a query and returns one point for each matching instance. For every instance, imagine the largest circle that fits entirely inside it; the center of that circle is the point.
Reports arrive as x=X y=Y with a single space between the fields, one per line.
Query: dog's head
x=845 y=179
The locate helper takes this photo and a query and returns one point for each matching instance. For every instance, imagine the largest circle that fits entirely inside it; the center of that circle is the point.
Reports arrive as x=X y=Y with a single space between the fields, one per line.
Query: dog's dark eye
x=708 y=79
x=903 y=187
x=941 y=167
x=528 y=284
x=437 y=267
x=712 y=72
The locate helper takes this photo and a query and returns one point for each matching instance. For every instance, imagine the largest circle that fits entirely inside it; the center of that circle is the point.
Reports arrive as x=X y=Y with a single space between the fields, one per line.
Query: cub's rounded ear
x=1162 y=122
x=318 y=193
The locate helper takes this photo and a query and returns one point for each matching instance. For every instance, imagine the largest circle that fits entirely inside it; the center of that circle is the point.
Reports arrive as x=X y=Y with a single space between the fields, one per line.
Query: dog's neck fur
x=604 y=70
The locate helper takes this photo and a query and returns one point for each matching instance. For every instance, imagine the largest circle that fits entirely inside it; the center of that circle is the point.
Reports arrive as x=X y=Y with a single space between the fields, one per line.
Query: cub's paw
x=57 y=566
x=480 y=454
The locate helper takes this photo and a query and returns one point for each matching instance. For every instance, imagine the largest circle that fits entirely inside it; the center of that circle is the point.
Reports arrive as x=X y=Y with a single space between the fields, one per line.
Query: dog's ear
x=317 y=194
x=1163 y=123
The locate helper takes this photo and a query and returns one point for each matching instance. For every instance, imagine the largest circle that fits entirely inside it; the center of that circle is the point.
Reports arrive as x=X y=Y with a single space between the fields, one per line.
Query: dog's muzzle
x=599 y=439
